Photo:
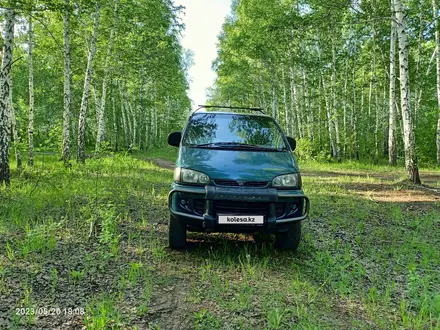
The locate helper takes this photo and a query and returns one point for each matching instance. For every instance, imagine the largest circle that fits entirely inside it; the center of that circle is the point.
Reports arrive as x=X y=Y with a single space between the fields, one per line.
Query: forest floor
x=369 y=257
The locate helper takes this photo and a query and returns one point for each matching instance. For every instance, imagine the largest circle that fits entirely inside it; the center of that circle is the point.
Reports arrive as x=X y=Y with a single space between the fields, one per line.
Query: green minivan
x=235 y=172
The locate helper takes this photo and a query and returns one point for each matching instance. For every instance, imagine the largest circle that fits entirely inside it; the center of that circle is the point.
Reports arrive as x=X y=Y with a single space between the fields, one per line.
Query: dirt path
x=162 y=163
x=386 y=191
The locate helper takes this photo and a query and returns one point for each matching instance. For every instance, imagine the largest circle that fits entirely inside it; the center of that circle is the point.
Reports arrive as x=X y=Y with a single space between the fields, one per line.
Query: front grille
x=228 y=183
x=236 y=207
x=256 y=184
x=235 y=183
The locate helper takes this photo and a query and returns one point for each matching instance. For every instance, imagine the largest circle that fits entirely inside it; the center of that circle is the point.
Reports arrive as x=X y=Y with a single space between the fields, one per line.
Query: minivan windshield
x=233 y=131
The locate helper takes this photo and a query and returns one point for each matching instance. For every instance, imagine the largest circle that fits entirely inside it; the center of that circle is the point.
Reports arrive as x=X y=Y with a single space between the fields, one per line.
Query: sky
x=203 y=21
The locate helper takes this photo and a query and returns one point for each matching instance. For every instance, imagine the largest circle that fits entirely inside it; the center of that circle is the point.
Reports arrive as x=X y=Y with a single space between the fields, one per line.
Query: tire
x=289 y=240
x=176 y=234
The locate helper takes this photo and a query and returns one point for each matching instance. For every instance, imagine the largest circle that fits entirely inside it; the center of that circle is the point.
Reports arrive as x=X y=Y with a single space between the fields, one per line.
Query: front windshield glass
x=233 y=131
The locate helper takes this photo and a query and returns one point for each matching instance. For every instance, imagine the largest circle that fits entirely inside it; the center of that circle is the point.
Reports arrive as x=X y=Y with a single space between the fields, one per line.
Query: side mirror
x=292 y=142
x=174 y=139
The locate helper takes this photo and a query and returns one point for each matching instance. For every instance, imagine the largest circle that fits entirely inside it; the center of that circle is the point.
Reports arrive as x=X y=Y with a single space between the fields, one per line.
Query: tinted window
x=226 y=128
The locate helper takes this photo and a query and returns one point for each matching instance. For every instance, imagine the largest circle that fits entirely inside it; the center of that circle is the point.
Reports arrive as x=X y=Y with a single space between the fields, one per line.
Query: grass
x=369 y=258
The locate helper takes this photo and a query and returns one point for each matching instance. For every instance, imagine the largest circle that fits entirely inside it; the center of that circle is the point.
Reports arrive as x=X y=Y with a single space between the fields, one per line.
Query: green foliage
x=102 y=314
x=146 y=73
x=204 y=320
x=313 y=65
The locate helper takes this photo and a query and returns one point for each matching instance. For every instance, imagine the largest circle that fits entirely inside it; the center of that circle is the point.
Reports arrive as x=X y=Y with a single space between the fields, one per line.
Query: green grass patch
x=94 y=238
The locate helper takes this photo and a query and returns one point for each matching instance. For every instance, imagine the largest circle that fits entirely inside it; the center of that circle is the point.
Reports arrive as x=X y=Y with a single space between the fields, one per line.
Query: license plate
x=240 y=219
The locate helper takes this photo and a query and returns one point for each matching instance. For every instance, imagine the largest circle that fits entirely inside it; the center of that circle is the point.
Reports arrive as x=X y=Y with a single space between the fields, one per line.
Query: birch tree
x=392 y=148
x=31 y=93
x=101 y=109
x=81 y=158
x=67 y=87
x=411 y=165
x=13 y=125
x=437 y=59
x=5 y=97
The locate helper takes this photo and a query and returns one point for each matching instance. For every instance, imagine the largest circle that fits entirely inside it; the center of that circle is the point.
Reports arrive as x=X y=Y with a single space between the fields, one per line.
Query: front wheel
x=289 y=240
x=176 y=233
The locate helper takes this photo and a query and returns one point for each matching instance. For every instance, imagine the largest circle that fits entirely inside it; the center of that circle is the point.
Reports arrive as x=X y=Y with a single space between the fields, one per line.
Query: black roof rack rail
x=202 y=106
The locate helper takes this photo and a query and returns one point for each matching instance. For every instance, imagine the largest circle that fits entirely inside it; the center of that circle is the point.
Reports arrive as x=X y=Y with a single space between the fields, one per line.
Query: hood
x=237 y=164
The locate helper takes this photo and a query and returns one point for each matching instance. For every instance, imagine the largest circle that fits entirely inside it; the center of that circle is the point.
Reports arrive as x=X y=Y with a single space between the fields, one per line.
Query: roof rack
x=202 y=106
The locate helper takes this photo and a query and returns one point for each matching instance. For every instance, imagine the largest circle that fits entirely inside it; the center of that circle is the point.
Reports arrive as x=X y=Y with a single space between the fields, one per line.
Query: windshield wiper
x=236 y=146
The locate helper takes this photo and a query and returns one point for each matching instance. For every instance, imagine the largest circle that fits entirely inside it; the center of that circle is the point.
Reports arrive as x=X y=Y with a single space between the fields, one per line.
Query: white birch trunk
x=275 y=95
x=408 y=129
x=293 y=128
x=101 y=126
x=319 y=115
x=134 y=131
x=392 y=148
x=147 y=119
x=140 y=119
x=329 y=118
x=31 y=95
x=124 y=126
x=13 y=124
x=97 y=99
x=307 y=110
x=67 y=88
x=4 y=96
x=417 y=84
x=334 y=104
x=296 y=106
x=344 y=122
x=437 y=47
x=263 y=93
x=85 y=97
x=124 y=118
x=376 y=102
x=354 y=116
x=115 y=122
x=285 y=105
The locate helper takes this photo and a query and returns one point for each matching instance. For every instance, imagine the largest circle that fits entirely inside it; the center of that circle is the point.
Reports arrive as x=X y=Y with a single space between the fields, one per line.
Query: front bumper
x=210 y=199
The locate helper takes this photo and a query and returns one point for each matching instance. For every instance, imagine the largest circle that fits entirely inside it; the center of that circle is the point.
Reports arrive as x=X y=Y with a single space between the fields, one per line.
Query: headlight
x=288 y=180
x=189 y=176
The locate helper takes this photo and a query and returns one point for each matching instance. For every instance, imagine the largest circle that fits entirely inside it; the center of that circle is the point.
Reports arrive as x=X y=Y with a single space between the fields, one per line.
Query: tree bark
x=344 y=149
x=308 y=110
x=86 y=91
x=147 y=117
x=5 y=176
x=13 y=124
x=437 y=47
x=334 y=105
x=67 y=88
x=329 y=119
x=408 y=129
x=124 y=119
x=101 y=126
x=286 y=107
x=354 y=116
x=115 y=121
x=31 y=94
x=392 y=149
